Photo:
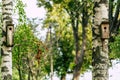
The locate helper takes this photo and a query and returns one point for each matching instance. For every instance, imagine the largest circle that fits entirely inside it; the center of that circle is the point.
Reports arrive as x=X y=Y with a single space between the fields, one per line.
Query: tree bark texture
x=18 y=64
x=80 y=53
x=6 y=66
x=100 y=46
x=76 y=71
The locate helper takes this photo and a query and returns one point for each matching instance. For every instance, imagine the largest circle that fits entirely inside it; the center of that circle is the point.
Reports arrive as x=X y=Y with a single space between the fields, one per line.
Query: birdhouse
x=9 y=34
x=105 y=30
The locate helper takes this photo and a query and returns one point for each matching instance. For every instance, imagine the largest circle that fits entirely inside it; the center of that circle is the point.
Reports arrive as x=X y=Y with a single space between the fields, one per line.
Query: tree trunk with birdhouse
x=7 y=40
x=100 y=40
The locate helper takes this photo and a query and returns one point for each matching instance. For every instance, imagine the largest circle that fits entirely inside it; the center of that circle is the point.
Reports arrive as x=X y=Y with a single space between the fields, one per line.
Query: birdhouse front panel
x=105 y=30
x=9 y=36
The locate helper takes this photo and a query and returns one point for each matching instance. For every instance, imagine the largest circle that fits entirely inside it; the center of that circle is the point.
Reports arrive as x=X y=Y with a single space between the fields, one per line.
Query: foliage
x=58 y=16
x=64 y=54
x=114 y=46
x=28 y=51
x=114 y=18
x=19 y=9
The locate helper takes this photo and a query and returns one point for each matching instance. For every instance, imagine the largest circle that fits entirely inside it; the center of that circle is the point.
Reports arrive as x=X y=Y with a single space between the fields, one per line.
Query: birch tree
x=100 y=45
x=6 y=50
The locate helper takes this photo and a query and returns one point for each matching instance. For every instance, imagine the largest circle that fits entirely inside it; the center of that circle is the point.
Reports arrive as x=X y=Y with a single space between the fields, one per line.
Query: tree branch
x=113 y=25
x=110 y=12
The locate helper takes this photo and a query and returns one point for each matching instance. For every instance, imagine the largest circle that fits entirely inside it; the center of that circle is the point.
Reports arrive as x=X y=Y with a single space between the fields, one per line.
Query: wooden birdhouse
x=9 y=34
x=105 y=30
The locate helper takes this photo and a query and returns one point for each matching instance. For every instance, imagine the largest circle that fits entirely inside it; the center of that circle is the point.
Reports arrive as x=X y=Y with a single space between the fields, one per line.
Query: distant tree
x=64 y=55
x=28 y=51
x=78 y=13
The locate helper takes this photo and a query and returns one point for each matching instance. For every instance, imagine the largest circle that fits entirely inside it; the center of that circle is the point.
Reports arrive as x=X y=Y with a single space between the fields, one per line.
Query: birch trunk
x=100 y=52
x=6 y=66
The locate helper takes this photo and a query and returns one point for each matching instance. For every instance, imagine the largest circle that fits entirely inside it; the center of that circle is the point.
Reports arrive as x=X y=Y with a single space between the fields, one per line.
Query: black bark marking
x=10 y=3
x=8 y=22
x=3 y=33
x=4 y=43
x=103 y=1
x=100 y=75
x=8 y=77
x=4 y=69
x=2 y=52
x=5 y=13
x=8 y=8
x=9 y=50
x=7 y=18
x=6 y=61
x=5 y=55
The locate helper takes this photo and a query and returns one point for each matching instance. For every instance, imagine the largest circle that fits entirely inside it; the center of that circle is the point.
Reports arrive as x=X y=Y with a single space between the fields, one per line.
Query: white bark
x=100 y=46
x=6 y=66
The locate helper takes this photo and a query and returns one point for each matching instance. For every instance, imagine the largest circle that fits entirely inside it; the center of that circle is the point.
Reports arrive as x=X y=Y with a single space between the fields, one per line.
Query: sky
x=32 y=11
